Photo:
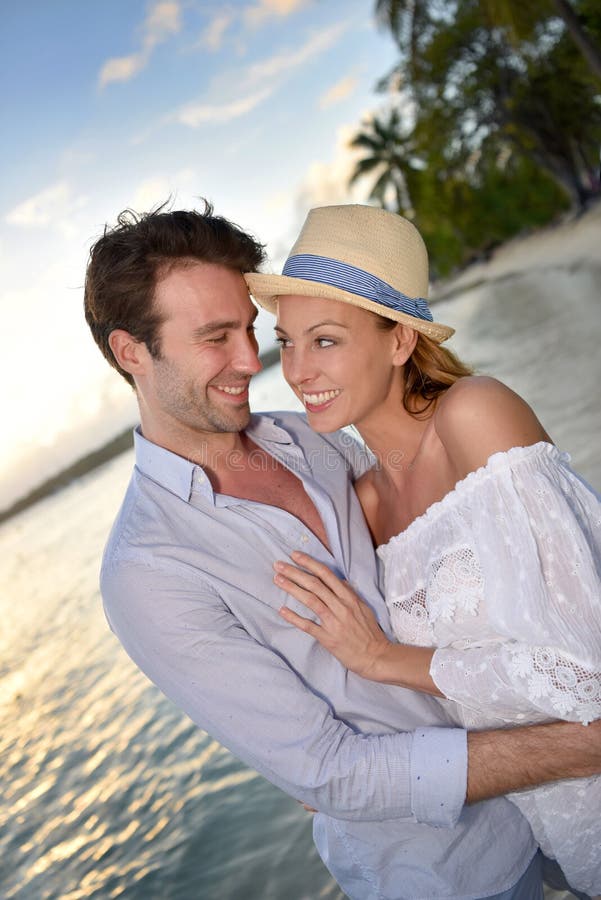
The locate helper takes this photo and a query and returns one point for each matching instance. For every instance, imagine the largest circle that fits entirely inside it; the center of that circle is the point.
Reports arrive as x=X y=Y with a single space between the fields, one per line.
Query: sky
x=111 y=105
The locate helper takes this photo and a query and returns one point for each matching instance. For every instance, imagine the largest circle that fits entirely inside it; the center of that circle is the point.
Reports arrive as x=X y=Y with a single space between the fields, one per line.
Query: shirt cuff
x=438 y=775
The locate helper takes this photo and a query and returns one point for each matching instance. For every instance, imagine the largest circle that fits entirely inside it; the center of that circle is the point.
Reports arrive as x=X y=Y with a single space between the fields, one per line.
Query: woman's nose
x=297 y=366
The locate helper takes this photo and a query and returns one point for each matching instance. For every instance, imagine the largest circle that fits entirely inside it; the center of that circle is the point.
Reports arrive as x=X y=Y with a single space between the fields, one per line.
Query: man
x=216 y=497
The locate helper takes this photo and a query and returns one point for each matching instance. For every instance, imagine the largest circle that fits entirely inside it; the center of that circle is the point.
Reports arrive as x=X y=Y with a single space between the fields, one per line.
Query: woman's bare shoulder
x=479 y=416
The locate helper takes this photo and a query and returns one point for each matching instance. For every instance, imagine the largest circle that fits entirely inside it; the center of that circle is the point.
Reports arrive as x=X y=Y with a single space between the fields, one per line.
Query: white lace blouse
x=503 y=577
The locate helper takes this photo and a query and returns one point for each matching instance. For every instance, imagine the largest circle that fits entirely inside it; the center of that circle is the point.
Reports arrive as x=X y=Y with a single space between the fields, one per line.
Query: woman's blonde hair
x=429 y=372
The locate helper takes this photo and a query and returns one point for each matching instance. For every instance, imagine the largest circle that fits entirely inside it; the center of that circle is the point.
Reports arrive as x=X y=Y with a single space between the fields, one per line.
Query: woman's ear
x=132 y=355
x=405 y=339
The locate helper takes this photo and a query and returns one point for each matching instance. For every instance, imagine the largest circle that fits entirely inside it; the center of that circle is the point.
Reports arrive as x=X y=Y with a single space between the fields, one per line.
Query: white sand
x=574 y=241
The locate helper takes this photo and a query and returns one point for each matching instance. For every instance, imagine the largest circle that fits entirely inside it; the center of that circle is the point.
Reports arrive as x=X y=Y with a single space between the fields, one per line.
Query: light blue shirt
x=187 y=583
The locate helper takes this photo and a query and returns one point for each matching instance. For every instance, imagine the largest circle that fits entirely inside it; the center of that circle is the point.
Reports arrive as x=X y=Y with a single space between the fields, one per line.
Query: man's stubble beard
x=180 y=400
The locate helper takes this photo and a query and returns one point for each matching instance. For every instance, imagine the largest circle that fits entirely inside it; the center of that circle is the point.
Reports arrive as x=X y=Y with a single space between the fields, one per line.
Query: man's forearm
x=515 y=758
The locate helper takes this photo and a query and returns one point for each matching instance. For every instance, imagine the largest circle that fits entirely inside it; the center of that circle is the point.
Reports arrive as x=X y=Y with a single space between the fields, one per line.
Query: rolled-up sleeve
x=438 y=775
x=182 y=635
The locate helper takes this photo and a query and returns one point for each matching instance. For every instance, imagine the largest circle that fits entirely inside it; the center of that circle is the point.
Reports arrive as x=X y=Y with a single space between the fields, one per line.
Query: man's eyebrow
x=215 y=325
x=221 y=325
x=279 y=328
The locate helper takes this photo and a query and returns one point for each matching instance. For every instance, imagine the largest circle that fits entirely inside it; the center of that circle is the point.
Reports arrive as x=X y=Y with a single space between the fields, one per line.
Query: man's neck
x=226 y=462
x=213 y=451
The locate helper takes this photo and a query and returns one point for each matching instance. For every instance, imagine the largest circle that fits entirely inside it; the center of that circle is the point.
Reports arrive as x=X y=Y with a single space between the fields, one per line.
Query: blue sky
x=120 y=104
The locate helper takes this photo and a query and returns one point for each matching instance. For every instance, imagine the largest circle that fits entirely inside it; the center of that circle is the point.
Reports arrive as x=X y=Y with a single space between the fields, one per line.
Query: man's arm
x=515 y=758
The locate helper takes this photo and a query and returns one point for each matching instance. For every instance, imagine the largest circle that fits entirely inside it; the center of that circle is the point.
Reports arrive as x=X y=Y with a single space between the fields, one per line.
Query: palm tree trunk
x=587 y=47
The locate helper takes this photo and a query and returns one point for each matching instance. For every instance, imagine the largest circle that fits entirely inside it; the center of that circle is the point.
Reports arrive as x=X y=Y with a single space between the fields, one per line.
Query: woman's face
x=342 y=367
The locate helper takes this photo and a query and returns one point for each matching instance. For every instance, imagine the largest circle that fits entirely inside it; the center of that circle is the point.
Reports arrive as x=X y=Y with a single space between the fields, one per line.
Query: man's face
x=208 y=352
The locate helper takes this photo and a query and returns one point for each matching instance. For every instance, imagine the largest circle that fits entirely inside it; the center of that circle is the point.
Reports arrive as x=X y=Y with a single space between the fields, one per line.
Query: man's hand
x=306 y=807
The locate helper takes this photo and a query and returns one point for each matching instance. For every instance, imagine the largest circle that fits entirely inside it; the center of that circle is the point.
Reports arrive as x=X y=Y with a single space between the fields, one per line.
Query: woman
x=490 y=544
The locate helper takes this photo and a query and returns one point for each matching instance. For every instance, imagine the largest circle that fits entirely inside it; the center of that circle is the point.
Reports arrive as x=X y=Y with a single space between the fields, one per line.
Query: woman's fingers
x=317 y=577
x=340 y=588
x=326 y=633
x=305 y=582
x=300 y=622
x=304 y=596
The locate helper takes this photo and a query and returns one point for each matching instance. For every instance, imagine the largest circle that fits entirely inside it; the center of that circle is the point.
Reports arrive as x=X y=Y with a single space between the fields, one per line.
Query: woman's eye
x=283 y=342
x=323 y=342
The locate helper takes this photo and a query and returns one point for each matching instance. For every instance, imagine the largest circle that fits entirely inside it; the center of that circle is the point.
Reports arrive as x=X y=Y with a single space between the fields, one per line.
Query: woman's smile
x=316 y=401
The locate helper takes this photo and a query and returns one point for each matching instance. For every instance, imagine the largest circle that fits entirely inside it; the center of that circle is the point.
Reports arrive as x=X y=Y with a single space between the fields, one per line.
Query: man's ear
x=405 y=339
x=132 y=355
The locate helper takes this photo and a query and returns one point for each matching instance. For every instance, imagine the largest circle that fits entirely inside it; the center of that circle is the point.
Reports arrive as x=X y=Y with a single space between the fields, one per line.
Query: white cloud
x=55 y=206
x=198 y=114
x=122 y=68
x=328 y=182
x=275 y=203
x=265 y=77
x=39 y=209
x=212 y=36
x=163 y=20
x=281 y=62
x=339 y=91
x=266 y=9
x=159 y=188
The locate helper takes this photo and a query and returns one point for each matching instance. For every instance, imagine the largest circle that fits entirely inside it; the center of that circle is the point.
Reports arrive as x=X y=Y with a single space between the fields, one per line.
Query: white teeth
x=316 y=399
x=233 y=390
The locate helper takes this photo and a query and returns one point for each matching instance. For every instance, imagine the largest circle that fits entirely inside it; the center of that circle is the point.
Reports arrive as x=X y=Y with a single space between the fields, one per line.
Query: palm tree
x=390 y=156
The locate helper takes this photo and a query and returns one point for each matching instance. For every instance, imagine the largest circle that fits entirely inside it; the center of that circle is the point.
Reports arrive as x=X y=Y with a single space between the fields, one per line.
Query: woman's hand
x=347 y=626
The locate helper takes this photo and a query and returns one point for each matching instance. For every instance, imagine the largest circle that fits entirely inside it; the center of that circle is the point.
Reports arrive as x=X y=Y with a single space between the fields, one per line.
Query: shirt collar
x=179 y=475
x=263 y=427
x=164 y=467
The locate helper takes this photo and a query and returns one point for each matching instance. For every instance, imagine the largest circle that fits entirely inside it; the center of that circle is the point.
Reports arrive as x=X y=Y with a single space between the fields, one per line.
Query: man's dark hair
x=128 y=260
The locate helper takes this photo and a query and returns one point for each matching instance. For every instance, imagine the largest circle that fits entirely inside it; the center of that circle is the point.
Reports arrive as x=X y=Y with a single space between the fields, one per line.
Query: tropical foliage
x=493 y=122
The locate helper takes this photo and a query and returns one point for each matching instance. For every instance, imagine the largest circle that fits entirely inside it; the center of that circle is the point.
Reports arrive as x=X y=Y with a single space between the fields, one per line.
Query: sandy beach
x=573 y=241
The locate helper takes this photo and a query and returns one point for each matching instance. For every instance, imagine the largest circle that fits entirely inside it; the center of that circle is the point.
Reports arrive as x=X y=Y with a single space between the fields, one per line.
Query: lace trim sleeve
x=516 y=681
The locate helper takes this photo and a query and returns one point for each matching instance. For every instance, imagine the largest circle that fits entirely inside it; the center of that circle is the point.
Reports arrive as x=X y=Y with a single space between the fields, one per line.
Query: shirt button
x=304 y=538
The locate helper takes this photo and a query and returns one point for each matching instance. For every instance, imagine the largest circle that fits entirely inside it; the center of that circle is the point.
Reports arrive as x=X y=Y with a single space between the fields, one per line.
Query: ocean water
x=107 y=789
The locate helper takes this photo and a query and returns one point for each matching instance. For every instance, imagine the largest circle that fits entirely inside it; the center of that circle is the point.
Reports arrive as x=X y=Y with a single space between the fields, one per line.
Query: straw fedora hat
x=361 y=255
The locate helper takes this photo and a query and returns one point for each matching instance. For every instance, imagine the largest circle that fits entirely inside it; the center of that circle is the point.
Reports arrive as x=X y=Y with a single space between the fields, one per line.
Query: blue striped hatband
x=355 y=281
